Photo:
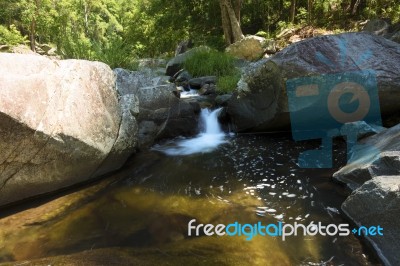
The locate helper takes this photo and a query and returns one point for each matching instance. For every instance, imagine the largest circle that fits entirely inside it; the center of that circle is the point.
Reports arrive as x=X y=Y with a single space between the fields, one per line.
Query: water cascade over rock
x=206 y=141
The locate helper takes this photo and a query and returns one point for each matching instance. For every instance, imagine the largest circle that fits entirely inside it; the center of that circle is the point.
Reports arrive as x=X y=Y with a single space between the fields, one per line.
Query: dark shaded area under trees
x=113 y=30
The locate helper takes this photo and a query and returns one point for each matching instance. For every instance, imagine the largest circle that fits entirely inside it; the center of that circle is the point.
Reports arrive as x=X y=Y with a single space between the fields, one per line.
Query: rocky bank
x=64 y=122
x=260 y=102
x=374 y=178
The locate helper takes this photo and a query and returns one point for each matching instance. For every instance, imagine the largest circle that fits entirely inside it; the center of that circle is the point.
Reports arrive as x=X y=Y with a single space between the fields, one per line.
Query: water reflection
x=145 y=213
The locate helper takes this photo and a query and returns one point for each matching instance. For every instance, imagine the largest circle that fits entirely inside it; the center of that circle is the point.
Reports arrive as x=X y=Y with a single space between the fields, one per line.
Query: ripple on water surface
x=142 y=215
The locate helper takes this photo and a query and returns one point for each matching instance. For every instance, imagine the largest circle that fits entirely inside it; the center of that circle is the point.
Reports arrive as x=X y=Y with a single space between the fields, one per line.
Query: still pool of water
x=139 y=216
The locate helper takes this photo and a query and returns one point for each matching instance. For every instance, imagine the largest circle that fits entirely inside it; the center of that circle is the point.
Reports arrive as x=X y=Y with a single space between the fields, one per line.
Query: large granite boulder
x=160 y=114
x=60 y=124
x=377 y=203
x=261 y=103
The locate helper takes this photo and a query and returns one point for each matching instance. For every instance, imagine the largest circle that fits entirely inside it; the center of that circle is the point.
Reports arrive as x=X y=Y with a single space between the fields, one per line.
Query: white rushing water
x=189 y=94
x=208 y=140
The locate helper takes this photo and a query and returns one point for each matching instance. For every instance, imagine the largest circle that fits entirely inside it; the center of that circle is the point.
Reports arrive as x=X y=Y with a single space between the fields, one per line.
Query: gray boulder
x=261 y=103
x=394 y=33
x=377 y=203
x=152 y=63
x=222 y=100
x=249 y=48
x=383 y=27
x=197 y=83
x=375 y=156
x=163 y=115
x=182 y=79
x=208 y=89
x=270 y=46
x=60 y=124
x=129 y=82
x=377 y=26
x=396 y=37
x=159 y=113
x=374 y=177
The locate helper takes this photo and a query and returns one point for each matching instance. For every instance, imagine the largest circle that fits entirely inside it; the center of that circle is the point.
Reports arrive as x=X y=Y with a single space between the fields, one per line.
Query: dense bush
x=154 y=28
x=11 y=36
x=205 y=62
x=116 y=53
x=210 y=62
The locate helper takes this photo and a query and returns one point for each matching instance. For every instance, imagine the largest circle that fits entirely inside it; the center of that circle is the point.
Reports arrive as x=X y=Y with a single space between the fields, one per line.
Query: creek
x=142 y=212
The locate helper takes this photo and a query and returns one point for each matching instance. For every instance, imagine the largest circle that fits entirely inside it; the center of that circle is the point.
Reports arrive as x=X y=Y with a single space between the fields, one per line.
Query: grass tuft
x=227 y=84
x=116 y=53
x=206 y=62
x=209 y=62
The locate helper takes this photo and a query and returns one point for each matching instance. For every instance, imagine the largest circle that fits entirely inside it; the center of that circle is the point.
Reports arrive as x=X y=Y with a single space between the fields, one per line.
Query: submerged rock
x=132 y=225
x=60 y=124
x=261 y=101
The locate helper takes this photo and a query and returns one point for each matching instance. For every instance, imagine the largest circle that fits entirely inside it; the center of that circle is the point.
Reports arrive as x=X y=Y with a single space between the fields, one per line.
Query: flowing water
x=140 y=215
x=208 y=140
x=189 y=94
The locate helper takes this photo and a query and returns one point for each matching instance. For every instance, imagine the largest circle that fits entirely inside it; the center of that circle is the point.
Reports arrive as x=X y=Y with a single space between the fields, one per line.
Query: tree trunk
x=355 y=7
x=309 y=7
x=292 y=11
x=86 y=12
x=230 y=21
x=32 y=27
x=237 y=5
x=32 y=33
x=225 y=24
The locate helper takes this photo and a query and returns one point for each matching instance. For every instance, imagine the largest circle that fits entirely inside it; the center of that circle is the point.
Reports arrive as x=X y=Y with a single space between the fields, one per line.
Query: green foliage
x=228 y=83
x=262 y=33
x=302 y=15
x=281 y=25
x=78 y=47
x=116 y=53
x=81 y=28
x=205 y=62
x=11 y=36
x=382 y=9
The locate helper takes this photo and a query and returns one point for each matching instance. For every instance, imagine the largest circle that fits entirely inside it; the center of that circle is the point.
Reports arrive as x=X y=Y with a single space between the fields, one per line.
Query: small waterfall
x=189 y=94
x=208 y=140
x=210 y=121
